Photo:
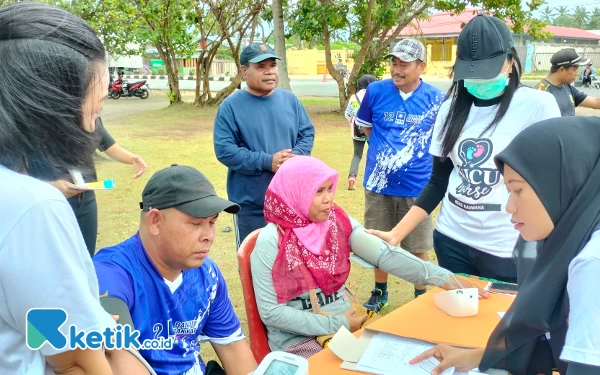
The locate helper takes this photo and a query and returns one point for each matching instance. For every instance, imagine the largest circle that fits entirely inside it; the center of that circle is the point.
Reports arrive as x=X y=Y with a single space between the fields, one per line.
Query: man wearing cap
x=162 y=281
x=397 y=115
x=563 y=72
x=256 y=130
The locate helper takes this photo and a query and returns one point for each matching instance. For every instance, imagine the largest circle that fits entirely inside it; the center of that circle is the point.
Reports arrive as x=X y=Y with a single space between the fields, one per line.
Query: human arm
x=236 y=358
x=46 y=242
x=428 y=200
x=306 y=132
x=227 y=150
x=120 y=154
x=280 y=315
x=591 y=102
x=125 y=362
x=66 y=188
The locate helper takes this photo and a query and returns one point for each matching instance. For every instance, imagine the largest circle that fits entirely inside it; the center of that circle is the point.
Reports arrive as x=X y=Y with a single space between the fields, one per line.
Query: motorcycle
x=123 y=88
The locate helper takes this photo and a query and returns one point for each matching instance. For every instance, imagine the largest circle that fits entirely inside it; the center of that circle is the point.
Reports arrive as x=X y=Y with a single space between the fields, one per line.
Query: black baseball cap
x=185 y=189
x=482 y=48
x=568 y=57
x=257 y=52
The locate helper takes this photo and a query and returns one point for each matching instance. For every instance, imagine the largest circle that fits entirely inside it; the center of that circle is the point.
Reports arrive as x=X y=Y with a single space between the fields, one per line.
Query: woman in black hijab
x=552 y=170
x=358 y=135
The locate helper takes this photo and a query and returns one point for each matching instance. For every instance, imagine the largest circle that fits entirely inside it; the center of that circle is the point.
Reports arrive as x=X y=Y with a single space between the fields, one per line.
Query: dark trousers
x=587 y=80
x=359 y=147
x=460 y=258
x=246 y=224
x=86 y=211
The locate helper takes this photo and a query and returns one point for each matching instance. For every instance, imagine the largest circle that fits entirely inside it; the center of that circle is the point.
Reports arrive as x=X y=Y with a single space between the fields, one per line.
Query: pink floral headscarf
x=311 y=255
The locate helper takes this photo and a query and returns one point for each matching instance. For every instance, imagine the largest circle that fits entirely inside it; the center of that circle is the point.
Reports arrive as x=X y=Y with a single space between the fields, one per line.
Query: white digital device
x=458 y=303
x=282 y=363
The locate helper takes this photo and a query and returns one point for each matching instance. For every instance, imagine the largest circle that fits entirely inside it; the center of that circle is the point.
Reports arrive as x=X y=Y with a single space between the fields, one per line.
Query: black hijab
x=365 y=81
x=560 y=159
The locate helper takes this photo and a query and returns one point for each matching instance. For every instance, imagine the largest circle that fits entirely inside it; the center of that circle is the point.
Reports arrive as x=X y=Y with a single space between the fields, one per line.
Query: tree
x=548 y=14
x=284 y=79
x=375 y=24
x=580 y=17
x=594 y=22
x=227 y=22
x=115 y=28
x=167 y=25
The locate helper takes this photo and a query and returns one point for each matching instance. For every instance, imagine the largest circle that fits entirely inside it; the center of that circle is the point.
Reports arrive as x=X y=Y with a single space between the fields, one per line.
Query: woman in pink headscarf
x=300 y=264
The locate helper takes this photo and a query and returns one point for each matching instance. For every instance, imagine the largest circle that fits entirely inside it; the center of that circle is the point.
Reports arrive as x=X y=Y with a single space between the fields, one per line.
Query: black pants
x=246 y=224
x=86 y=211
x=359 y=147
x=460 y=258
x=587 y=80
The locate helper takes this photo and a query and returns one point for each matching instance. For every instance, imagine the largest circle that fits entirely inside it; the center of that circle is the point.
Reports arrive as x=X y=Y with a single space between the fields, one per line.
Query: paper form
x=389 y=354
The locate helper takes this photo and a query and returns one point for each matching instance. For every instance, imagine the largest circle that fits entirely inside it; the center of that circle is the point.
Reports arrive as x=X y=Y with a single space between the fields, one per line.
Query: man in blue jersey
x=163 y=278
x=256 y=130
x=398 y=115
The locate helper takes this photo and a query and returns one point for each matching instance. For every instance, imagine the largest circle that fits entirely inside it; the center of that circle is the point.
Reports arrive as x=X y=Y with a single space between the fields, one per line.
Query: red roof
x=445 y=24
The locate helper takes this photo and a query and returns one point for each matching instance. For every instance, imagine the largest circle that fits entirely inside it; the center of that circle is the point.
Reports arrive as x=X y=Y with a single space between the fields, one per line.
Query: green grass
x=182 y=134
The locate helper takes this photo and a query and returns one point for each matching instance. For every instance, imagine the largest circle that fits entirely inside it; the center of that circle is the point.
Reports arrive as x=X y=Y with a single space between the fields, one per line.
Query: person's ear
x=154 y=221
x=244 y=70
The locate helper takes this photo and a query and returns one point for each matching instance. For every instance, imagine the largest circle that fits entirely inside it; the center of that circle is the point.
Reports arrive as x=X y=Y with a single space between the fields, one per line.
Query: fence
x=541 y=61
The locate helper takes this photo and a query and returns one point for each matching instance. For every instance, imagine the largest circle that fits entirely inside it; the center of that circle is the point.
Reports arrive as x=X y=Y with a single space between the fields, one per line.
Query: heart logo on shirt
x=474 y=152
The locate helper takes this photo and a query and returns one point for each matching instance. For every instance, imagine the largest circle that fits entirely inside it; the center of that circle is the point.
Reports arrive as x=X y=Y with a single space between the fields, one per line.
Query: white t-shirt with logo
x=474 y=207
x=582 y=344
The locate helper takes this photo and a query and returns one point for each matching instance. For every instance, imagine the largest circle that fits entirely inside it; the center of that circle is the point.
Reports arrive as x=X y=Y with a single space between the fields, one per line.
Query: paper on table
x=389 y=354
x=346 y=346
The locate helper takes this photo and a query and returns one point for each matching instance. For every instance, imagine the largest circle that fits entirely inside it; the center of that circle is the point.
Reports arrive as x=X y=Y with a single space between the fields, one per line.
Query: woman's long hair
x=49 y=61
x=462 y=101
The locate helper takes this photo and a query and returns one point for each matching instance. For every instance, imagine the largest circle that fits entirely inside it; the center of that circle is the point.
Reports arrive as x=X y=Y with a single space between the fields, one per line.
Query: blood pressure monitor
x=282 y=363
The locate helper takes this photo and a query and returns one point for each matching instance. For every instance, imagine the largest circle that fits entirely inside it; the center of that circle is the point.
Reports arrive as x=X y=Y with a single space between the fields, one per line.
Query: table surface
x=421 y=319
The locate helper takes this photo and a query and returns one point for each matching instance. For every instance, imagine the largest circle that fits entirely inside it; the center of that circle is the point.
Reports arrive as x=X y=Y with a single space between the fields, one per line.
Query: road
x=316 y=87
x=157 y=100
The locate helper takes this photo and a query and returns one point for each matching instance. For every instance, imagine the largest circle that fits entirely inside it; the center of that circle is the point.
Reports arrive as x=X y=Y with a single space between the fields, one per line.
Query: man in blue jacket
x=256 y=130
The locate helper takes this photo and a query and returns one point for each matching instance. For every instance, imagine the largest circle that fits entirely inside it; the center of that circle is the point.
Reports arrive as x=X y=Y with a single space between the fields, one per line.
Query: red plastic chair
x=258 y=332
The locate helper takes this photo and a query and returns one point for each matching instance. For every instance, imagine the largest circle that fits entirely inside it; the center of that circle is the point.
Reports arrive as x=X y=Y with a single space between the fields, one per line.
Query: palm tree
x=580 y=16
x=594 y=21
x=548 y=14
x=564 y=18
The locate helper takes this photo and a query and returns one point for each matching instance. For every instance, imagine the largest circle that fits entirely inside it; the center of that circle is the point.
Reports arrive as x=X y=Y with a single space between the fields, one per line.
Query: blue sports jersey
x=198 y=310
x=398 y=160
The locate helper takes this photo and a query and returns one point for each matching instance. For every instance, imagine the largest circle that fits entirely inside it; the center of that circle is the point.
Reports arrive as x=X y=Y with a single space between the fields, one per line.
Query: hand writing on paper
x=449 y=356
x=355 y=321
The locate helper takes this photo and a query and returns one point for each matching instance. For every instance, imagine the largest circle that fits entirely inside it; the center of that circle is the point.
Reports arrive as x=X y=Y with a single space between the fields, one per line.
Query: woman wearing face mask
x=485 y=109
x=300 y=263
x=552 y=171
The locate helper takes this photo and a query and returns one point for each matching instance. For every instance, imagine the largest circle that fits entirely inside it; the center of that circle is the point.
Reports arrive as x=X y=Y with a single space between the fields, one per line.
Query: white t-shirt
x=44 y=263
x=583 y=336
x=473 y=209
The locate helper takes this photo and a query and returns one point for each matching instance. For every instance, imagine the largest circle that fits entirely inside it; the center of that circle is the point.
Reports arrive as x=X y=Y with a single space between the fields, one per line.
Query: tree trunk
x=284 y=79
x=172 y=74
x=343 y=97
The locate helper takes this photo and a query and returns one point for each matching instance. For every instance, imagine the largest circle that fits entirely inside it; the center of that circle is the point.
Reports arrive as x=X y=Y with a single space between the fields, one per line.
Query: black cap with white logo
x=185 y=189
x=482 y=48
x=568 y=57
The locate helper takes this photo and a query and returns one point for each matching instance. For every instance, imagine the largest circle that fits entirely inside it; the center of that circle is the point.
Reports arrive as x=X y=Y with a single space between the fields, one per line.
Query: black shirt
x=567 y=96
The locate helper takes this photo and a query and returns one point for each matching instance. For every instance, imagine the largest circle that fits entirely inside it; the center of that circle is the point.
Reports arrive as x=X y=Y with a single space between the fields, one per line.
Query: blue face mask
x=487 y=89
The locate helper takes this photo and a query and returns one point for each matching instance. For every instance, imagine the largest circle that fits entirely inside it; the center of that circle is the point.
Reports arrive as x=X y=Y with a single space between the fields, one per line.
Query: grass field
x=183 y=135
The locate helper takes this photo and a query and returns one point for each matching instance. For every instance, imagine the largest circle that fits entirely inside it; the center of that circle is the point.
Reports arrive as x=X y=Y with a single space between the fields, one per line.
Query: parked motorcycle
x=123 y=88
